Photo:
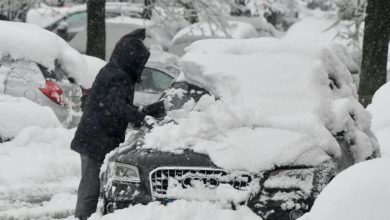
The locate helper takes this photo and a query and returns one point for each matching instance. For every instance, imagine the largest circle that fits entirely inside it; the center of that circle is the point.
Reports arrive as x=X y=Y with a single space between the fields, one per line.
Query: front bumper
x=281 y=195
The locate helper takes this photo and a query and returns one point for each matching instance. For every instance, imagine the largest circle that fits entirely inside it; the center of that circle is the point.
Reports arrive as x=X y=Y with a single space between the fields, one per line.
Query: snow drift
x=360 y=193
x=19 y=113
x=279 y=101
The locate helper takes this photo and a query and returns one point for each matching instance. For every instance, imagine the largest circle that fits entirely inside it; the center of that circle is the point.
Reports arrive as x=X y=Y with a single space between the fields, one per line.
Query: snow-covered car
x=68 y=22
x=204 y=30
x=360 y=192
x=114 y=31
x=259 y=122
x=36 y=64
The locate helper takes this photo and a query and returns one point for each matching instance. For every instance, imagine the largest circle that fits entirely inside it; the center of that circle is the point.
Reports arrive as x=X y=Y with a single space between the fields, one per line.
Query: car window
x=154 y=81
x=77 y=20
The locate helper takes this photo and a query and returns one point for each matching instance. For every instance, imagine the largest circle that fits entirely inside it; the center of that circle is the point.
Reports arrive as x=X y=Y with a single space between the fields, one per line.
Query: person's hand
x=156 y=110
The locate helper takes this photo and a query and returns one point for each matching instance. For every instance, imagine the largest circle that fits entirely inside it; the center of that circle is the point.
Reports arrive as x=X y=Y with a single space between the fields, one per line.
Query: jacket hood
x=130 y=54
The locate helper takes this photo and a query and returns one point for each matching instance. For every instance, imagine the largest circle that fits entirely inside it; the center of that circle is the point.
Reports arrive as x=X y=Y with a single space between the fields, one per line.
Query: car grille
x=212 y=178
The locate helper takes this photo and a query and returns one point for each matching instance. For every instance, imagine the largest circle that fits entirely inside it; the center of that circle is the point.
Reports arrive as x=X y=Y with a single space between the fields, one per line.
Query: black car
x=137 y=175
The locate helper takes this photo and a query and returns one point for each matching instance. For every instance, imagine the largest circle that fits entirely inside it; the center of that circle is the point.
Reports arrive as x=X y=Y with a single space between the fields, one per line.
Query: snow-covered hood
x=276 y=101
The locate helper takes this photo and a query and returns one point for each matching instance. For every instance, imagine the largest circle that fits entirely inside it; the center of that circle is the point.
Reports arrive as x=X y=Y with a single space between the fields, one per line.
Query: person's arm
x=115 y=103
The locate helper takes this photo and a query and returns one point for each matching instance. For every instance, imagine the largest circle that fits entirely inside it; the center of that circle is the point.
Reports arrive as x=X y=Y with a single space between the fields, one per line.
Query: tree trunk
x=96 y=28
x=375 y=49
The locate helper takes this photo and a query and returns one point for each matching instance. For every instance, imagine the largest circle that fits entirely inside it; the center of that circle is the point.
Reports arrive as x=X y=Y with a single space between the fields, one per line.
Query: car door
x=154 y=83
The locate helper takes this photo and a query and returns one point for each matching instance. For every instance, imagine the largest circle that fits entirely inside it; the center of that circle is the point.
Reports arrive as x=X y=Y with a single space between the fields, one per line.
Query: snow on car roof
x=203 y=30
x=266 y=86
x=30 y=42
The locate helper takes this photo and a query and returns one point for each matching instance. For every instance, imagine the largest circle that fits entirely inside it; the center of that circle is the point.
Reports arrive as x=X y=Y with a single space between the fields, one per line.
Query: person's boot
x=83 y=218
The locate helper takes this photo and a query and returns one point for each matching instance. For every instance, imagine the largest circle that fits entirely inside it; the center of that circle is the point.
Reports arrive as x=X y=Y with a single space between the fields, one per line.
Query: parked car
x=36 y=64
x=67 y=24
x=114 y=31
x=242 y=129
x=35 y=82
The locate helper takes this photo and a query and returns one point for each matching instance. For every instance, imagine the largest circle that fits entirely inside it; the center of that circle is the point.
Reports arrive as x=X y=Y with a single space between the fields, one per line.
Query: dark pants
x=88 y=193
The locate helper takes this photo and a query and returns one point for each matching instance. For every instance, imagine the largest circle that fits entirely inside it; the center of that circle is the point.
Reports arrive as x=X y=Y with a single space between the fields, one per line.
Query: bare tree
x=96 y=28
x=375 y=49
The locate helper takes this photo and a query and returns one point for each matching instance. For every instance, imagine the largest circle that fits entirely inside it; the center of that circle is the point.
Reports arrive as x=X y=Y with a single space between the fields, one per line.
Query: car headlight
x=123 y=172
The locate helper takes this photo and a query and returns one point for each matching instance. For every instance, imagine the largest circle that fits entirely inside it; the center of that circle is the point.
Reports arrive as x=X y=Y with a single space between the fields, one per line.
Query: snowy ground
x=39 y=175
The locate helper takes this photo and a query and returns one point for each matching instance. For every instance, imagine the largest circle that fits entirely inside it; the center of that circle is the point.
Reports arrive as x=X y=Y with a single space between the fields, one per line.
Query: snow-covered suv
x=264 y=123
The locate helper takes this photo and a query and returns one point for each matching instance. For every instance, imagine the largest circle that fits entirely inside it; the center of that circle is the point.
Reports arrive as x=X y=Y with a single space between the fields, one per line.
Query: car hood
x=133 y=152
x=151 y=159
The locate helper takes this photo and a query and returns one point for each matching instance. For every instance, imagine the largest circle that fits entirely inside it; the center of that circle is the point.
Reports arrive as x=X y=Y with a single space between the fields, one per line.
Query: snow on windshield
x=30 y=42
x=265 y=109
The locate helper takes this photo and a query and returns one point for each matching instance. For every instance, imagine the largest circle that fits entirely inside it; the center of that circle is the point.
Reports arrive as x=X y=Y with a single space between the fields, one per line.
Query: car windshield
x=182 y=92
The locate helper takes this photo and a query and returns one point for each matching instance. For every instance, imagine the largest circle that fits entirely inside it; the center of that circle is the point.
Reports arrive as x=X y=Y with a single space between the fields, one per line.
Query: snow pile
x=323 y=29
x=35 y=167
x=380 y=110
x=61 y=205
x=19 y=113
x=179 y=210
x=203 y=30
x=26 y=41
x=361 y=192
x=263 y=86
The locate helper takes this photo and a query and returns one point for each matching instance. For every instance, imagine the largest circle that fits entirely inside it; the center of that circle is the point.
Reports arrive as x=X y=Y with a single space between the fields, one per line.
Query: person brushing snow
x=109 y=109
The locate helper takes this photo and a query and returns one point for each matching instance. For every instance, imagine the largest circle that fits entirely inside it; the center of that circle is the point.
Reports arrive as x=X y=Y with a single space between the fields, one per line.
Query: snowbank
x=380 y=110
x=361 y=192
x=38 y=174
x=19 y=113
x=268 y=89
x=179 y=210
x=30 y=42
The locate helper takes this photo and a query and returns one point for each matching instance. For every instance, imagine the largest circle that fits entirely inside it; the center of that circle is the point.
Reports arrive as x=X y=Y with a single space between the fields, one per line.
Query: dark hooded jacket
x=109 y=108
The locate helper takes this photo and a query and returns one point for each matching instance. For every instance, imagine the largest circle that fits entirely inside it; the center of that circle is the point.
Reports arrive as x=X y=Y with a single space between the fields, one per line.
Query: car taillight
x=53 y=92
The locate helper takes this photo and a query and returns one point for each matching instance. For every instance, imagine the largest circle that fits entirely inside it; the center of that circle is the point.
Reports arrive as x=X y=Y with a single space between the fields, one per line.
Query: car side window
x=154 y=81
